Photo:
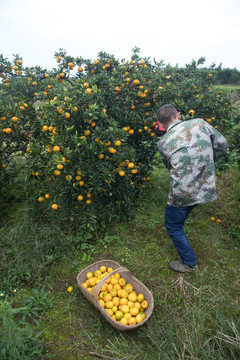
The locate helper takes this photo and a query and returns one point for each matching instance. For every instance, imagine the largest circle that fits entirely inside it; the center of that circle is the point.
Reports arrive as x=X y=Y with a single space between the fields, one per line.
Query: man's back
x=189 y=149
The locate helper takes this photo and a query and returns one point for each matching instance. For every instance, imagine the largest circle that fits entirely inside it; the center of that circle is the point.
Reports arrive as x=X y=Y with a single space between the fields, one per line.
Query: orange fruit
x=140 y=297
x=109 y=304
x=122 y=282
x=112 y=150
x=69 y=289
x=132 y=321
x=116 y=300
x=103 y=269
x=45 y=128
x=127 y=316
x=59 y=166
x=109 y=311
x=88 y=202
x=122 y=293
x=139 y=318
x=113 y=292
x=132 y=296
x=129 y=288
x=143 y=314
x=56 y=148
x=101 y=302
x=41 y=199
x=136 y=82
x=119 y=315
x=130 y=165
x=124 y=309
x=8 y=130
x=212 y=218
x=92 y=281
x=107 y=297
x=54 y=206
x=137 y=305
x=121 y=173
x=80 y=198
x=47 y=196
x=123 y=301
x=75 y=109
x=118 y=143
x=123 y=321
x=134 y=311
x=89 y=275
x=117 y=287
x=87 y=132
x=129 y=303
x=109 y=288
x=144 y=304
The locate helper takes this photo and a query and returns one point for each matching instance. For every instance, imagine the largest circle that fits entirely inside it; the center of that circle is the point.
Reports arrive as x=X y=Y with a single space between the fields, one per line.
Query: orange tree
x=87 y=128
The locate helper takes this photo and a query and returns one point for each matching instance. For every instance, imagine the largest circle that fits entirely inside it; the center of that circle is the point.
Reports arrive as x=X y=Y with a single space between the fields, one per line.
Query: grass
x=227 y=88
x=196 y=316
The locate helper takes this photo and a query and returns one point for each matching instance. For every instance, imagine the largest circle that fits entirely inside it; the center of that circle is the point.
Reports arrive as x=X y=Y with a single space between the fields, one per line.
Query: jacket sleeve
x=219 y=143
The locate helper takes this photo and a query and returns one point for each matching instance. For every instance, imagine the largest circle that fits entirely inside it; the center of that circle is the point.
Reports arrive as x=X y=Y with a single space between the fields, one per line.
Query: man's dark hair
x=166 y=113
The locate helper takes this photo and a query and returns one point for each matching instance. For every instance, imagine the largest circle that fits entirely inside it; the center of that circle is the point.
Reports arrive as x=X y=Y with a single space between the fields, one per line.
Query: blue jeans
x=174 y=221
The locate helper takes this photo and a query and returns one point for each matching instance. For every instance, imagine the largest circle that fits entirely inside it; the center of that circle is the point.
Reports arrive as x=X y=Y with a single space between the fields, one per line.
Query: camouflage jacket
x=189 y=150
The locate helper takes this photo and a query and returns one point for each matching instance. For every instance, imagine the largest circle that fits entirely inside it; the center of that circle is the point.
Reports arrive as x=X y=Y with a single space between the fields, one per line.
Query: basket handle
x=98 y=287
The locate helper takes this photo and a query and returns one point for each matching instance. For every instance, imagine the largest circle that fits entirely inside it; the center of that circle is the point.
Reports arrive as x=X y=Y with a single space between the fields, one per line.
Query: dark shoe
x=179 y=266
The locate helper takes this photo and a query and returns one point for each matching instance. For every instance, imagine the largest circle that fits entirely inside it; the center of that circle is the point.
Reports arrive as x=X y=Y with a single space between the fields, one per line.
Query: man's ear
x=179 y=115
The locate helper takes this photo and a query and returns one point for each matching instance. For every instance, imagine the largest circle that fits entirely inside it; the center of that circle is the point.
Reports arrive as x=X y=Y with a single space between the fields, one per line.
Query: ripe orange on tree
x=54 y=206
x=56 y=148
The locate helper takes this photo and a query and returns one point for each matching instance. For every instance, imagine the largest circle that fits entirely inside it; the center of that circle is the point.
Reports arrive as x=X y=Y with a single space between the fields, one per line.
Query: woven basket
x=139 y=287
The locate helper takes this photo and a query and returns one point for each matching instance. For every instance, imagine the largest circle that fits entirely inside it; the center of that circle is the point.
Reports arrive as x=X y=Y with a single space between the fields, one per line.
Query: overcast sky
x=175 y=31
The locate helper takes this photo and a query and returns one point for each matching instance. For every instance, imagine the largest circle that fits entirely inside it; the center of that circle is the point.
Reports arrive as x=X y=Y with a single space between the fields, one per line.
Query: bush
x=18 y=340
x=89 y=138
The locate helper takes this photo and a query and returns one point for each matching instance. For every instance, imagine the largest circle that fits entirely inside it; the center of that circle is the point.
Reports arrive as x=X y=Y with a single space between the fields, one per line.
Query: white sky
x=175 y=31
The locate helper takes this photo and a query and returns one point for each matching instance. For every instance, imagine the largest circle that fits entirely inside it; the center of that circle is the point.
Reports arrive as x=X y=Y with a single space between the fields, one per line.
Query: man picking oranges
x=189 y=150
